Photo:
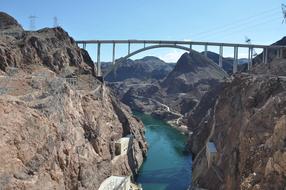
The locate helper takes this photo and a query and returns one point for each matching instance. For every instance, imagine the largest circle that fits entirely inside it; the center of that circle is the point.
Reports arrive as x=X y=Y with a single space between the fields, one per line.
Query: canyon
x=61 y=124
x=242 y=117
x=173 y=96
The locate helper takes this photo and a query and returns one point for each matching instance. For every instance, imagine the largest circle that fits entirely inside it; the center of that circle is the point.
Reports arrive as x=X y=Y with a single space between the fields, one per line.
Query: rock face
x=246 y=122
x=8 y=22
x=9 y=26
x=226 y=62
x=49 y=47
x=59 y=123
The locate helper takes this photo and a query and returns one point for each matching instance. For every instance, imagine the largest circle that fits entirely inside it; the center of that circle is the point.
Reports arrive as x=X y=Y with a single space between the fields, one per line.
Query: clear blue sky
x=204 y=20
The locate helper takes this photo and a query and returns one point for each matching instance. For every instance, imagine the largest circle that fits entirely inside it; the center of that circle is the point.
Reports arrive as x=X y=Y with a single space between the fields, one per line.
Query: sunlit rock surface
x=246 y=122
x=58 y=122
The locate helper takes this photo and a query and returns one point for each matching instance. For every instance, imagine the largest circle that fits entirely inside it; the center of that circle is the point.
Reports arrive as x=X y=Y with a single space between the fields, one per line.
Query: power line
x=236 y=22
x=246 y=28
x=245 y=25
x=231 y=27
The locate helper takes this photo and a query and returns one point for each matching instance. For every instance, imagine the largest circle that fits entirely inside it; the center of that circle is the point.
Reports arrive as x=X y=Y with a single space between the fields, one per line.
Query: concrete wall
x=116 y=183
x=122 y=146
x=211 y=153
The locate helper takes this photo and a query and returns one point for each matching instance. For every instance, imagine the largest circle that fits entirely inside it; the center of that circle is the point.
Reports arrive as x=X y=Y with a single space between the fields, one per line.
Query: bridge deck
x=176 y=42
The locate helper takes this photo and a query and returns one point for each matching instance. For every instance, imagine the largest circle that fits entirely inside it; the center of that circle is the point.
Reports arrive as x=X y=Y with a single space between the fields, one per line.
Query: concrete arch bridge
x=183 y=45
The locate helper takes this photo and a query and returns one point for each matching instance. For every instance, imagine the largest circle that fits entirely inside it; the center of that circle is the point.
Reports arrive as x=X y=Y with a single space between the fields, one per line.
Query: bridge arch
x=156 y=47
x=120 y=60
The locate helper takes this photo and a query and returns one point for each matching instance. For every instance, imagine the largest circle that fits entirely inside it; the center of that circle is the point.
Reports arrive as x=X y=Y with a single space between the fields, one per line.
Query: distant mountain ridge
x=146 y=68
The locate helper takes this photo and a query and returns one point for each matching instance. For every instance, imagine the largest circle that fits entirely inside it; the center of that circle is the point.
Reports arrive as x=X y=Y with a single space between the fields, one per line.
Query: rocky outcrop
x=274 y=68
x=243 y=123
x=59 y=123
x=8 y=22
x=52 y=48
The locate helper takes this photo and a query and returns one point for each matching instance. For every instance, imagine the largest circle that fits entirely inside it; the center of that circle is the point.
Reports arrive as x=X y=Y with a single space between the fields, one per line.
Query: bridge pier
x=220 y=55
x=277 y=53
x=84 y=46
x=250 y=57
x=280 y=53
x=265 y=55
x=98 y=64
x=191 y=47
x=235 y=60
x=128 y=48
x=113 y=54
x=206 y=50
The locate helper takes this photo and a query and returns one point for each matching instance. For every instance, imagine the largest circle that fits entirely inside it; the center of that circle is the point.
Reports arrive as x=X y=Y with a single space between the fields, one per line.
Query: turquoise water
x=167 y=166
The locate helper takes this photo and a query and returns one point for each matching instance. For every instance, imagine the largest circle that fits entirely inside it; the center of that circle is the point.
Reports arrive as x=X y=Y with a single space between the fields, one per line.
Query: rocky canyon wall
x=58 y=123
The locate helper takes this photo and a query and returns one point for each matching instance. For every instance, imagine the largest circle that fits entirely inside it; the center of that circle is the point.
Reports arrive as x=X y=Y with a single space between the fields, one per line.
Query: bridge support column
x=128 y=48
x=84 y=46
x=265 y=55
x=191 y=46
x=98 y=60
x=278 y=56
x=235 y=60
x=250 y=57
x=113 y=54
x=206 y=50
x=220 y=55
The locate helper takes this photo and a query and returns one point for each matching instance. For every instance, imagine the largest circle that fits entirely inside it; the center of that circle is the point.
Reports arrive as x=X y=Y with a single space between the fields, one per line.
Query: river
x=167 y=166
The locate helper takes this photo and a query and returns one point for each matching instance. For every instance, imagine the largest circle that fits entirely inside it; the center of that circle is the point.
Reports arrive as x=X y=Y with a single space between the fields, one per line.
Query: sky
x=204 y=20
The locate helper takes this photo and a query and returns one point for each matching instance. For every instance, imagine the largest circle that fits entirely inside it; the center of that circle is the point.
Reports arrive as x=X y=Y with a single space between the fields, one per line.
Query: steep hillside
x=59 y=123
x=272 y=53
x=192 y=70
x=227 y=62
x=10 y=26
x=246 y=123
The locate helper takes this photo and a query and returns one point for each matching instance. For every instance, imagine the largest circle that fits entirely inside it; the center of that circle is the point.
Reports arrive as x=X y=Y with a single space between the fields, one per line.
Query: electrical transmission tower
x=284 y=13
x=32 y=22
x=56 y=22
x=248 y=41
